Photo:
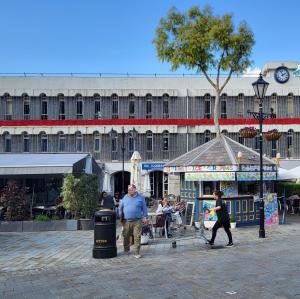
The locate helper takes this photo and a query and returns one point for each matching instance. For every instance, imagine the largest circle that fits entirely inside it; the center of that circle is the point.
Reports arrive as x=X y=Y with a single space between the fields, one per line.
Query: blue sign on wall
x=151 y=166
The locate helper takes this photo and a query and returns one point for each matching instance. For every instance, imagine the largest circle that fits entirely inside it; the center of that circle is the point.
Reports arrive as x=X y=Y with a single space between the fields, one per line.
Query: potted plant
x=15 y=201
x=232 y=222
x=272 y=135
x=87 y=193
x=248 y=132
x=70 y=200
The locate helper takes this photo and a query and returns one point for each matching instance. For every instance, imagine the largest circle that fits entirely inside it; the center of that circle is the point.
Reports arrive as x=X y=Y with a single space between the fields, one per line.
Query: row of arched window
x=115 y=141
x=80 y=106
x=132 y=106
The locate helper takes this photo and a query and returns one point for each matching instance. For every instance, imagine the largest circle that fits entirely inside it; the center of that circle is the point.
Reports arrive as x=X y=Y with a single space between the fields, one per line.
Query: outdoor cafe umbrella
x=106 y=183
x=147 y=186
x=135 y=176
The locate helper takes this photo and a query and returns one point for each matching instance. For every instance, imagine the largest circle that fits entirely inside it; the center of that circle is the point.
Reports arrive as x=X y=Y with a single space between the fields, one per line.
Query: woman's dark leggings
x=226 y=226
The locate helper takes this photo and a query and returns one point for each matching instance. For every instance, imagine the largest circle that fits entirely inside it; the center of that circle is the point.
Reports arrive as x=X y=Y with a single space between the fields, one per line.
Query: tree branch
x=207 y=77
x=226 y=81
x=219 y=67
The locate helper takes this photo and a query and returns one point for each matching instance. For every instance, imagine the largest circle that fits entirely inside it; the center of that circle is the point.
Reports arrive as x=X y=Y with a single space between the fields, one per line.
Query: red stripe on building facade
x=147 y=122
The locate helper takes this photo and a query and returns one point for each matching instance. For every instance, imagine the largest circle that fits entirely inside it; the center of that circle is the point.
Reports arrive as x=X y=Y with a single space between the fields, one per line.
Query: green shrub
x=80 y=195
x=232 y=219
x=287 y=188
x=41 y=217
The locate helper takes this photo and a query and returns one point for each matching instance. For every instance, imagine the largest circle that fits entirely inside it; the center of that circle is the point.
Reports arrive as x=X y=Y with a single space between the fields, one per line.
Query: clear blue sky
x=115 y=36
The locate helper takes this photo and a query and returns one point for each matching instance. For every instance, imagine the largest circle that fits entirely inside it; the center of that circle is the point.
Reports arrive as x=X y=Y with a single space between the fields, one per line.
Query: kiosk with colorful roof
x=233 y=168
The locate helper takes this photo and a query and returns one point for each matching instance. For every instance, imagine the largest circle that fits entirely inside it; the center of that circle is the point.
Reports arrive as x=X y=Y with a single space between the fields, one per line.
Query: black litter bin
x=105 y=244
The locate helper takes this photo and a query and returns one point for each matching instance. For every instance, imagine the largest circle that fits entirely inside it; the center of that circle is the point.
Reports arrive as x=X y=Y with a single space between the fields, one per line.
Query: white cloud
x=252 y=72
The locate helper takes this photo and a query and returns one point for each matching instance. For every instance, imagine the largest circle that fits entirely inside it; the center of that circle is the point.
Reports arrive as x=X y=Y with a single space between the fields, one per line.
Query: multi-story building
x=161 y=117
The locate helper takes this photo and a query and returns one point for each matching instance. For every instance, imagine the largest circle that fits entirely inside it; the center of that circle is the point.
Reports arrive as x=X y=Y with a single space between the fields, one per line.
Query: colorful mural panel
x=209 y=216
x=271 y=209
x=230 y=189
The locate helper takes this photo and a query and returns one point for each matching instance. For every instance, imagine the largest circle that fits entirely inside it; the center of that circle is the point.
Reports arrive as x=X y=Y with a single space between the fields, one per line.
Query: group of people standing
x=133 y=213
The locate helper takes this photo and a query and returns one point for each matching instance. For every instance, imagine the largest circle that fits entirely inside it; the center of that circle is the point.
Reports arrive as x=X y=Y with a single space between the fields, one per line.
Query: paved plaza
x=60 y=265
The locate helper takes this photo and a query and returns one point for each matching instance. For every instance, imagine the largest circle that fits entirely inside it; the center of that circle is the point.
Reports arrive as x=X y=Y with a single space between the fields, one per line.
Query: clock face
x=282 y=74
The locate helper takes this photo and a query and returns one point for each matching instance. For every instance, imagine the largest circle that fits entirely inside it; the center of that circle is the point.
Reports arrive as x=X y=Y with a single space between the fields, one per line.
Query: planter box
x=65 y=224
x=85 y=224
x=11 y=226
x=233 y=225
x=38 y=226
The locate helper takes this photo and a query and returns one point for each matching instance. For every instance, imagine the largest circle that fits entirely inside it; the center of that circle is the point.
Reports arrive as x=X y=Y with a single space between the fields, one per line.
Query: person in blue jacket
x=133 y=214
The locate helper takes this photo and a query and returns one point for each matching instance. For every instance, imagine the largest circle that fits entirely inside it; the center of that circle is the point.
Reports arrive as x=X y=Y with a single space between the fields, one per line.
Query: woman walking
x=223 y=219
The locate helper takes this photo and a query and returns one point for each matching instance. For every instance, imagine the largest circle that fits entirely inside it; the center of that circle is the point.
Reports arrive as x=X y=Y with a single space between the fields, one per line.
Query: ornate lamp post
x=260 y=87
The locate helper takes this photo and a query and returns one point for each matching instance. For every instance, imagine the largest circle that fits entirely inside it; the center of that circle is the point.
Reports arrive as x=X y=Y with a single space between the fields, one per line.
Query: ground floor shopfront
x=153 y=181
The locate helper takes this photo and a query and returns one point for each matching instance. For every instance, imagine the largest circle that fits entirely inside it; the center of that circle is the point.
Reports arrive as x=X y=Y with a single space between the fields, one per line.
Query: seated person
x=117 y=198
x=159 y=209
x=167 y=211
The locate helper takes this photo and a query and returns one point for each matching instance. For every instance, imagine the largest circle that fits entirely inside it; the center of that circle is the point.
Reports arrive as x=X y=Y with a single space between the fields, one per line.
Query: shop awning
x=30 y=164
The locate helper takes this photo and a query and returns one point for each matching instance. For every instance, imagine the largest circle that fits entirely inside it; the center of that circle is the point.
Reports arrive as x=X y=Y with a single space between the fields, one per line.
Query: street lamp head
x=260 y=87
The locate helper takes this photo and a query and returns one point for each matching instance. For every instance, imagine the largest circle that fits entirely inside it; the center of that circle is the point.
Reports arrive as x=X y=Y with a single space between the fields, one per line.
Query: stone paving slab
x=60 y=265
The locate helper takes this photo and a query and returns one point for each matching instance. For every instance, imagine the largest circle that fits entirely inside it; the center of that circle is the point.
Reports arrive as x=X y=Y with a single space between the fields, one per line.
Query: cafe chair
x=160 y=225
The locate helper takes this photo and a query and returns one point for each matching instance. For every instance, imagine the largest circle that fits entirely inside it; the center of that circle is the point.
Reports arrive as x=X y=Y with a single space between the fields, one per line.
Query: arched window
x=149 y=145
x=148 y=105
x=61 y=142
x=273 y=148
x=61 y=109
x=290 y=141
x=7 y=142
x=26 y=142
x=79 y=106
x=223 y=105
x=114 y=144
x=166 y=106
x=240 y=106
x=26 y=106
x=224 y=132
x=165 y=147
x=207 y=136
x=132 y=136
x=131 y=106
x=256 y=143
x=166 y=137
x=290 y=105
x=44 y=142
x=78 y=141
x=44 y=106
x=97 y=105
x=242 y=140
x=115 y=106
x=207 y=106
x=97 y=142
x=256 y=105
x=8 y=106
x=273 y=103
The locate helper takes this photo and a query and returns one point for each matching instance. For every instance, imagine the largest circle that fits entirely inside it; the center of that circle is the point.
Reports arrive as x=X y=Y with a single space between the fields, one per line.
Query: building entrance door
x=156 y=182
x=118 y=181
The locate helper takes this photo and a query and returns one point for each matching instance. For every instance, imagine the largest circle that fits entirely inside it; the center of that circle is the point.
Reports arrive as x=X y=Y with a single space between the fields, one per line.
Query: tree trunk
x=217 y=112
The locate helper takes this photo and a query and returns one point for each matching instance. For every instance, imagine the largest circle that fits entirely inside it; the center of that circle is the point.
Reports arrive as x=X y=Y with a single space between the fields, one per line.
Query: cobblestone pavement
x=60 y=265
